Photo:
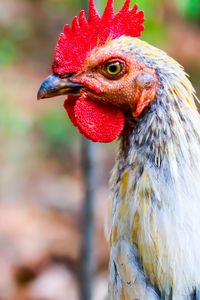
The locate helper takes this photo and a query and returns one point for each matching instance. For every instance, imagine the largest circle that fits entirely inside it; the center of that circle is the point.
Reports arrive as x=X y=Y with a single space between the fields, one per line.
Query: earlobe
x=145 y=89
x=146 y=97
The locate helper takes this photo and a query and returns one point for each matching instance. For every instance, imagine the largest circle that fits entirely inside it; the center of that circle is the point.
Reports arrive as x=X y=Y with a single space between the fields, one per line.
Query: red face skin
x=134 y=88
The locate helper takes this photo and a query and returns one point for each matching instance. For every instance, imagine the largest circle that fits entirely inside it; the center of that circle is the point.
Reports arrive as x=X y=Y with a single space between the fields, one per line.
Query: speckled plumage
x=154 y=228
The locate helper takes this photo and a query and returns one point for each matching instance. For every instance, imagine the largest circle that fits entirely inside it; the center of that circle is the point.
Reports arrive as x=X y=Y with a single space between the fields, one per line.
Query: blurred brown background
x=41 y=184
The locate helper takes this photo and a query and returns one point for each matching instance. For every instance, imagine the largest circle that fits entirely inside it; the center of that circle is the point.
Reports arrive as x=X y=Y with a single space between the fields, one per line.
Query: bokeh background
x=41 y=182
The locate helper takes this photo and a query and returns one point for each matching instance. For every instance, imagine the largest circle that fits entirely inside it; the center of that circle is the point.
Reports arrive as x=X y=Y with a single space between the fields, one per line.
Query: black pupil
x=113 y=68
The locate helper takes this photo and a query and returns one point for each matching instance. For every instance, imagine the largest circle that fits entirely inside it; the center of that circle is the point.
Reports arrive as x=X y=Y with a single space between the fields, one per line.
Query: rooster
x=119 y=86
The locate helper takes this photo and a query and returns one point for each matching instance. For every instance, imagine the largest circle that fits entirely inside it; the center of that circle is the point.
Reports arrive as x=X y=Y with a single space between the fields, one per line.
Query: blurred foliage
x=8 y=52
x=190 y=9
x=13 y=122
x=56 y=130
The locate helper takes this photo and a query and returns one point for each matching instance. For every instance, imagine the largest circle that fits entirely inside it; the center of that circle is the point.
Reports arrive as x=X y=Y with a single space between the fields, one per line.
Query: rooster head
x=94 y=66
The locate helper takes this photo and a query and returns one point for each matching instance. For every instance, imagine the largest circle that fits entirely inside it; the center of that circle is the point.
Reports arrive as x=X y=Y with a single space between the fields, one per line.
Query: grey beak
x=55 y=85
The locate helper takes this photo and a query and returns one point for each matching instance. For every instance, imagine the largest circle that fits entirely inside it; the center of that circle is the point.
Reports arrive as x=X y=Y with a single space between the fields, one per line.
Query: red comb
x=77 y=41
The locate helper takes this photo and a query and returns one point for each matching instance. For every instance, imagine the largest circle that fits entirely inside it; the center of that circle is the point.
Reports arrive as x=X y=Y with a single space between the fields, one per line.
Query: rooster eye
x=113 y=69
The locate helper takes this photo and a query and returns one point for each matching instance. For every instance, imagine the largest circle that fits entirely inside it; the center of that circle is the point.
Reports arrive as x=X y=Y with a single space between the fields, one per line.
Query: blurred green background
x=41 y=185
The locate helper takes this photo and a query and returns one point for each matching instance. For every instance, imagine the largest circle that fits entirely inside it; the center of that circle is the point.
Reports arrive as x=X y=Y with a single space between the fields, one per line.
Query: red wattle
x=69 y=105
x=96 y=121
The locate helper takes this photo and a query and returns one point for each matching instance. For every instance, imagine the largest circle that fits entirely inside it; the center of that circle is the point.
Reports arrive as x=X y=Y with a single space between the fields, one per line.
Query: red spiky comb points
x=77 y=41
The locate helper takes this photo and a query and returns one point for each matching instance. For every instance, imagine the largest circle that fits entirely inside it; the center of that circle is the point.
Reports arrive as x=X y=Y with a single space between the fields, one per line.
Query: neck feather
x=155 y=186
x=156 y=191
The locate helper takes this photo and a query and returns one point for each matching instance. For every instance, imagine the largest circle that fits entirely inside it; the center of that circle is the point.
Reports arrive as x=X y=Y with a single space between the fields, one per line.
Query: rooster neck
x=164 y=141
x=154 y=236
x=159 y=129
x=156 y=191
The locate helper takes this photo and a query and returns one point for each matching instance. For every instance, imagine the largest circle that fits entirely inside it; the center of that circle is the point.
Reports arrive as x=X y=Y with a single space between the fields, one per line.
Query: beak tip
x=39 y=95
x=45 y=88
x=42 y=92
